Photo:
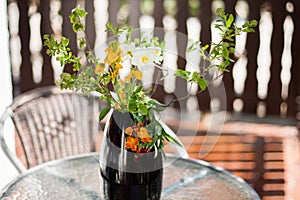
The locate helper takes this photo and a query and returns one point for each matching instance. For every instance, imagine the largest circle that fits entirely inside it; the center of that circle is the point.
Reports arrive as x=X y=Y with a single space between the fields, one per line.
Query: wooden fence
x=264 y=81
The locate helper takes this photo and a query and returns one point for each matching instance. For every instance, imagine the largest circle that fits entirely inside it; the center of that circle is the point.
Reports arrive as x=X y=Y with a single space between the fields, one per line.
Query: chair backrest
x=52 y=124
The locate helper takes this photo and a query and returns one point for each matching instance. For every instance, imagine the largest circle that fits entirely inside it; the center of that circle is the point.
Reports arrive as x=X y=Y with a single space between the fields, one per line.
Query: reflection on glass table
x=77 y=177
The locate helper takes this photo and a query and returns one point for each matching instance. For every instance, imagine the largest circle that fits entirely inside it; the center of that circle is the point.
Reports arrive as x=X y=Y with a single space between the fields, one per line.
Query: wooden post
x=47 y=70
x=228 y=78
x=90 y=23
x=205 y=17
x=274 y=99
x=26 y=80
x=294 y=87
x=159 y=12
x=181 y=17
x=249 y=97
x=135 y=13
x=113 y=8
x=67 y=29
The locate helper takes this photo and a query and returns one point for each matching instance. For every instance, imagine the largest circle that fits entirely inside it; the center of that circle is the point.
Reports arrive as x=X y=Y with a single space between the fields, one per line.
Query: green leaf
x=220 y=12
x=82 y=42
x=171 y=139
x=103 y=113
x=190 y=48
x=162 y=44
x=229 y=20
x=143 y=109
x=183 y=74
x=132 y=105
x=205 y=47
x=202 y=83
x=225 y=53
x=138 y=89
x=109 y=25
x=155 y=102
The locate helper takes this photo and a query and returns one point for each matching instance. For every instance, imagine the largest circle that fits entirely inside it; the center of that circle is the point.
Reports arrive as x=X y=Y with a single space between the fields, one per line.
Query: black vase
x=125 y=174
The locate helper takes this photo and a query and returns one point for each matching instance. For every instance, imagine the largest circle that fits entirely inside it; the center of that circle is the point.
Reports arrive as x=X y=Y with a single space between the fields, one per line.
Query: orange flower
x=140 y=124
x=128 y=131
x=131 y=143
x=135 y=130
x=143 y=134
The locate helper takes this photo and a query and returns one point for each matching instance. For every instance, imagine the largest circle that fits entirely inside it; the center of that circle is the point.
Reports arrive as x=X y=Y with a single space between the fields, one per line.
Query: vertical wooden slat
x=47 y=70
x=181 y=17
x=205 y=16
x=159 y=13
x=26 y=80
x=158 y=18
x=135 y=13
x=228 y=78
x=274 y=99
x=67 y=30
x=113 y=8
x=294 y=87
x=93 y=107
x=258 y=181
x=90 y=23
x=249 y=97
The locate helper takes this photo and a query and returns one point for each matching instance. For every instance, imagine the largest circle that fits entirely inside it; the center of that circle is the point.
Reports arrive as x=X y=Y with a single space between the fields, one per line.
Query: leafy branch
x=221 y=51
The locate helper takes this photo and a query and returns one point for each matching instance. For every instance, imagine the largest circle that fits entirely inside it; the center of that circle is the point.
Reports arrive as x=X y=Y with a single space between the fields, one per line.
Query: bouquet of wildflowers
x=117 y=76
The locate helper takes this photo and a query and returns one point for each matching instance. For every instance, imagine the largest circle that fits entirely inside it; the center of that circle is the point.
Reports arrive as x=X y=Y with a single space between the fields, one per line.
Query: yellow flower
x=113 y=75
x=127 y=78
x=118 y=66
x=122 y=83
x=116 y=106
x=121 y=94
x=136 y=73
x=112 y=59
x=99 y=68
x=131 y=143
x=113 y=54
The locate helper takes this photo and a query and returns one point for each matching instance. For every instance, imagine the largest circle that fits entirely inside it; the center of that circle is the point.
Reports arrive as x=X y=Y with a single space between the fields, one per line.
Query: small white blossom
x=146 y=57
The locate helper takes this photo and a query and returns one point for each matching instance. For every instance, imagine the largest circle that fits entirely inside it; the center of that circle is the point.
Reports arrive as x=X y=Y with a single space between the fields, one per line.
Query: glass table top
x=78 y=178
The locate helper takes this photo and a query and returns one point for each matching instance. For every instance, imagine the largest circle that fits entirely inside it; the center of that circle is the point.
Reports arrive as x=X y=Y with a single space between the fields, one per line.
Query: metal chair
x=51 y=124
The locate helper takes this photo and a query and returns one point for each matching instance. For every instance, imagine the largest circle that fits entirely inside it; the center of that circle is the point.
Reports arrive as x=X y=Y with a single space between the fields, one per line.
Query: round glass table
x=77 y=177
